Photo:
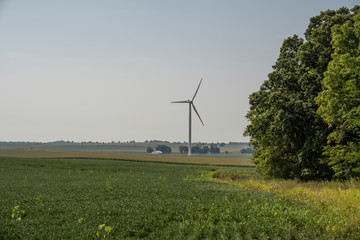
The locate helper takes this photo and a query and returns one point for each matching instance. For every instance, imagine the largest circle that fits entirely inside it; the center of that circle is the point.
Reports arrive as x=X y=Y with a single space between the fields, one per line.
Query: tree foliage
x=246 y=150
x=163 y=148
x=339 y=103
x=183 y=149
x=149 y=150
x=285 y=129
x=214 y=149
x=197 y=149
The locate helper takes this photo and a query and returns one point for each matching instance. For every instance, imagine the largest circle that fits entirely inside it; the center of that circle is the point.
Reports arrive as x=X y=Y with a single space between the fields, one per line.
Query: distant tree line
x=238 y=143
x=156 y=141
x=213 y=149
x=197 y=149
x=163 y=148
x=246 y=150
x=305 y=119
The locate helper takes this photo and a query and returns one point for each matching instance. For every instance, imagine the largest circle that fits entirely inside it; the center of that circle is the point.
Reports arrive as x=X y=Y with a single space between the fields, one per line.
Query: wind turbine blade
x=197 y=113
x=180 y=102
x=196 y=90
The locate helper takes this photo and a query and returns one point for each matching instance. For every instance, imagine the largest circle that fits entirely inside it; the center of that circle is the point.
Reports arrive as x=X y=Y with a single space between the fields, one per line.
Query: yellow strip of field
x=135 y=157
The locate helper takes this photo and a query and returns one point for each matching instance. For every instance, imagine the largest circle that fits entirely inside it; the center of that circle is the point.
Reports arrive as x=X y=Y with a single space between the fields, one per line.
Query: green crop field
x=114 y=199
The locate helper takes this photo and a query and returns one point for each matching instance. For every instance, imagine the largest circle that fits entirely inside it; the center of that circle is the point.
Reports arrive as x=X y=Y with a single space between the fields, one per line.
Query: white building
x=156 y=152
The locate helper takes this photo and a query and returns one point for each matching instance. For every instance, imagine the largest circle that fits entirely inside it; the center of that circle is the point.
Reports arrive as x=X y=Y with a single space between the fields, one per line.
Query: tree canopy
x=339 y=103
x=163 y=148
x=285 y=129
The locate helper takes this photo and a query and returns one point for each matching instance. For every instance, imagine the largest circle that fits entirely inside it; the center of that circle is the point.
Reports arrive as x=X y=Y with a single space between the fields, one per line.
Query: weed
x=109 y=188
x=17 y=213
x=163 y=178
x=103 y=231
x=40 y=201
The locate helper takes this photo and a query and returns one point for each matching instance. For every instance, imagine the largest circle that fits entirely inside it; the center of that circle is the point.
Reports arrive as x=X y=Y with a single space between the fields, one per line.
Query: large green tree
x=272 y=121
x=339 y=103
x=287 y=133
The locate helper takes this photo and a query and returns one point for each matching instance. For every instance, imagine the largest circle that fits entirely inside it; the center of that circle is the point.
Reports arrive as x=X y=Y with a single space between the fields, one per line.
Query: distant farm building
x=157 y=152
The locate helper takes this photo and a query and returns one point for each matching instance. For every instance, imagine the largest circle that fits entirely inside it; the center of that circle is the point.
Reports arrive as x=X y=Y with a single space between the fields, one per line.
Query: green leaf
x=108 y=229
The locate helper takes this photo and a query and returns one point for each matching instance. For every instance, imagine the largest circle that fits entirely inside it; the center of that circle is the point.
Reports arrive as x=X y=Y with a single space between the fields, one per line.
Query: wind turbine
x=191 y=104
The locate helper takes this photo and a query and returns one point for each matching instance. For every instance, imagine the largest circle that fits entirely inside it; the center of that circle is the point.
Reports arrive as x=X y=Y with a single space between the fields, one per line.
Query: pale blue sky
x=87 y=70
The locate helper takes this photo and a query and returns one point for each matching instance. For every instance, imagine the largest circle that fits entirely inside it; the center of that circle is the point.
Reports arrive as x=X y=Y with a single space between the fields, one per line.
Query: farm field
x=131 y=157
x=114 y=199
x=120 y=148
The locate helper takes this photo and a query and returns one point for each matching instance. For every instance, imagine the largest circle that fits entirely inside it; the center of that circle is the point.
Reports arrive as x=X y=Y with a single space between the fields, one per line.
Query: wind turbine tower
x=191 y=105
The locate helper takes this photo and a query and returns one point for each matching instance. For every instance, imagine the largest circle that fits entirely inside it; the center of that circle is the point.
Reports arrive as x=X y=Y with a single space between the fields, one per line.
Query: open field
x=107 y=199
x=123 y=148
x=135 y=157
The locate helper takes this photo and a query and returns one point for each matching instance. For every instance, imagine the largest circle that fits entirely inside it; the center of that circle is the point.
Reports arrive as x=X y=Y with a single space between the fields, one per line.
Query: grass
x=106 y=199
x=341 y=200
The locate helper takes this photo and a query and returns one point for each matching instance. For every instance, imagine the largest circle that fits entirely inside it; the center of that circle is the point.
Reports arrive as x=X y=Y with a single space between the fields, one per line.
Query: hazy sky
x=86 y=70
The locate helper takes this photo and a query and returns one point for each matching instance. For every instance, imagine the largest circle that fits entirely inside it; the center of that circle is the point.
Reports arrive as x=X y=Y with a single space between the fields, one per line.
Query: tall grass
x=341 y=200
